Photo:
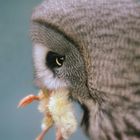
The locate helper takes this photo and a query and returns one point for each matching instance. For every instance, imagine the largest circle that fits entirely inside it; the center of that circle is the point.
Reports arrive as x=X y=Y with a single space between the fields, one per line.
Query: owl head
x=60 y=53
x=57 y=61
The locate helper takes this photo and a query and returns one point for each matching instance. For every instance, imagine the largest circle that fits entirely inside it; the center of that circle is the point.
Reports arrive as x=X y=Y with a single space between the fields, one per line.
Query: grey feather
x=101 y=41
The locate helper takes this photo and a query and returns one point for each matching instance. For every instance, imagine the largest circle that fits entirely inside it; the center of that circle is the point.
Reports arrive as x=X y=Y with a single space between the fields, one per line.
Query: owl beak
x=41 y=86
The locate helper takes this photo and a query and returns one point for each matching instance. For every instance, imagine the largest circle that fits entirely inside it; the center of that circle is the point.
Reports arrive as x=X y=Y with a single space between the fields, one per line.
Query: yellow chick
x=57 y=109
x=62 y=112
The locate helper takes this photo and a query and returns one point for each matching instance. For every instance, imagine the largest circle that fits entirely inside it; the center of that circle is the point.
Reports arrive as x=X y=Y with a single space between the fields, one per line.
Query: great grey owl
x=92 y=47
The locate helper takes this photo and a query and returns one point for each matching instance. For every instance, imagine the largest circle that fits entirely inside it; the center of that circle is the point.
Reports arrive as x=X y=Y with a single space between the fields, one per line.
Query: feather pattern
x=107 y=35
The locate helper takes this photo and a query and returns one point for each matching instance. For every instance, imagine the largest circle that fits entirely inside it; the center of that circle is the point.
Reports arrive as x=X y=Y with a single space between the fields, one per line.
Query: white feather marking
x=43 y=73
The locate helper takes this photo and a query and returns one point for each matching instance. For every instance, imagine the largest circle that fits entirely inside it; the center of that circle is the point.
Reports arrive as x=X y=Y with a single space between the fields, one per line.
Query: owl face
x=57 y=61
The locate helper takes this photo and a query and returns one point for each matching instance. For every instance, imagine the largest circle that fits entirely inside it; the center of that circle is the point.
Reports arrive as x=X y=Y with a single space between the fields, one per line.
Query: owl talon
x=27 y=100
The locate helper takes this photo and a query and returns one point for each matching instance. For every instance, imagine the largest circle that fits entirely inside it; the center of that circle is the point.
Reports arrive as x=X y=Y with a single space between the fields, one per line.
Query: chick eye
x=54 y=60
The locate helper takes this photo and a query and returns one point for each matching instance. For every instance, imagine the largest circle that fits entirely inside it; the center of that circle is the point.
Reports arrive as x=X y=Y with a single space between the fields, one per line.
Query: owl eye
x=54 y=60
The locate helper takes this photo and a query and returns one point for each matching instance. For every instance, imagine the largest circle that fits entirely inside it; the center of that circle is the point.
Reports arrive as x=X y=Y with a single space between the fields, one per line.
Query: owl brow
x=56 y=29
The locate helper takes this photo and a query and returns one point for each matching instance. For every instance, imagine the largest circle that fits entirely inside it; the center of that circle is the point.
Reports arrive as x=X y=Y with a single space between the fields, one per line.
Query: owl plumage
x=99 y=41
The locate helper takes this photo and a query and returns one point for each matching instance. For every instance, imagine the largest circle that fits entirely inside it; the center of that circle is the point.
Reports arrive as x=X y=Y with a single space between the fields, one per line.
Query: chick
x=57 y=109
x=62 y=113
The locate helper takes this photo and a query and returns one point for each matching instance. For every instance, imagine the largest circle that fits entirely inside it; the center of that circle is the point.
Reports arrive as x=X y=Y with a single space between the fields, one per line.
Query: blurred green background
x=16 y=74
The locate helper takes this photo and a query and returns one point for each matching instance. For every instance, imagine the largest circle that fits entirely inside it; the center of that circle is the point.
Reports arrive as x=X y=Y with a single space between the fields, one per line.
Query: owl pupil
x=54 y=60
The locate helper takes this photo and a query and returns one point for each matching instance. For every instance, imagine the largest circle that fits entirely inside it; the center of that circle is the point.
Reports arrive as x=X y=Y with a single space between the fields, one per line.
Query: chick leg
x=27 y=100
x=42 y=134
x=47 y=123
x=59 y=134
